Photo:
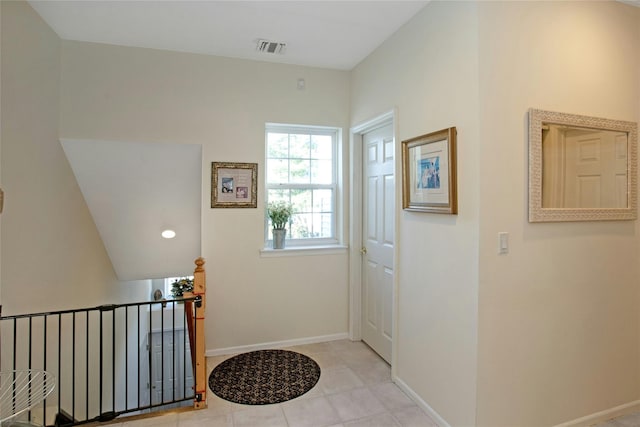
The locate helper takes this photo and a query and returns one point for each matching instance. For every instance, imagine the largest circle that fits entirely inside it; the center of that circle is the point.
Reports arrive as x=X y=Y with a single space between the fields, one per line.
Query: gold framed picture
x=429 y=173
x=234 y=185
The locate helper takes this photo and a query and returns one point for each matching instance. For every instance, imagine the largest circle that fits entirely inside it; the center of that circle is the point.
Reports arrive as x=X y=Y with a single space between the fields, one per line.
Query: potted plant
x=279 y=213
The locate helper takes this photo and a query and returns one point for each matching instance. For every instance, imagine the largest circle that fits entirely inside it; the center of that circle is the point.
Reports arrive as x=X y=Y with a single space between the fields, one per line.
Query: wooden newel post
x=200 y=363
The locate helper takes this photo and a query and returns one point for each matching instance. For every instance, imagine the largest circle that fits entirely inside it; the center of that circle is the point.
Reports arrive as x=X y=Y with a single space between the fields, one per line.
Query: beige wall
x=428 y=70
x=557 y=318
x=132 y=94
x=558 y=325
x=52 y=256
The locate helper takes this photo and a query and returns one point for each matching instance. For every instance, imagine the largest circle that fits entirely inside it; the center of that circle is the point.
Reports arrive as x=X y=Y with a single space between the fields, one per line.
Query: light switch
x=503 y=242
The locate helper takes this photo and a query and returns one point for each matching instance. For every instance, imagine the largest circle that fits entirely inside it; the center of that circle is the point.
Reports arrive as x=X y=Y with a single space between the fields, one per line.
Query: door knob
x=363 y=251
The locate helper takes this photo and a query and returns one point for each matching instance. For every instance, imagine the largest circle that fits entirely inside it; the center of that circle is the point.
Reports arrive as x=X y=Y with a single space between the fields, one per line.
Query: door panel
x=596 y=170
x=387 y=315
x=372 y=206
x=389 y=200
x=378 y=225
x=370 y=296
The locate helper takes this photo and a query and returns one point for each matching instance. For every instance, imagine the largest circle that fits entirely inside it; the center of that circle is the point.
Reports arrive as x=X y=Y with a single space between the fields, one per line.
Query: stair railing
x=112 y=359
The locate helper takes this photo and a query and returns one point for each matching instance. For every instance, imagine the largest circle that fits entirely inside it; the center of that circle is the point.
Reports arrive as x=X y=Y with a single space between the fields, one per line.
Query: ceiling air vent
x=267 y=46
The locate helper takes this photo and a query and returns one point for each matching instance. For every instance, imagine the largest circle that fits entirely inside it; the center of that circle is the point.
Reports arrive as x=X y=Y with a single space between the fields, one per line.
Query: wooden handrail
x=195 y=312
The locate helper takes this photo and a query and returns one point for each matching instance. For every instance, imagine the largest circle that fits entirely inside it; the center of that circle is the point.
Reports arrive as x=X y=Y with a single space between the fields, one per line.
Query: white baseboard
x=607 y=414
x=275 y=344
x=586 y=421
x=421 y=403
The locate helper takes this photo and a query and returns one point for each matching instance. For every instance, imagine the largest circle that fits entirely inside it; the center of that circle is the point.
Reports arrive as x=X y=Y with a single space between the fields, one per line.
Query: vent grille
x=267 y=46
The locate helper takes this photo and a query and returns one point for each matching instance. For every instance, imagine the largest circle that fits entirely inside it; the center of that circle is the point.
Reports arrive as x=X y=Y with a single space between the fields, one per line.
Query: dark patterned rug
x=264 y=377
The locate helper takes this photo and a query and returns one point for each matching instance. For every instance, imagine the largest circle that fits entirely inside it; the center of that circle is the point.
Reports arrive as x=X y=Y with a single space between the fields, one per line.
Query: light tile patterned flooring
x=355 y=390
x=632 y=420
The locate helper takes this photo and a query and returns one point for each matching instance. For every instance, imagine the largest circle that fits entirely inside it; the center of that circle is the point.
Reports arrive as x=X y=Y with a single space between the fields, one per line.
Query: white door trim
x=355 y=226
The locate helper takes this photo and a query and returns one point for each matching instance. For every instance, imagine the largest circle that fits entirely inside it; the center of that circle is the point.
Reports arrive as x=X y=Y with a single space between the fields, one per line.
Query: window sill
x=303 y=251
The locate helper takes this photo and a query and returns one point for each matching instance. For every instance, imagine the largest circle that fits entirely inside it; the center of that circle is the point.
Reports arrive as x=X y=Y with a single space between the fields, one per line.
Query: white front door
x=172 y=370
x=378 y=207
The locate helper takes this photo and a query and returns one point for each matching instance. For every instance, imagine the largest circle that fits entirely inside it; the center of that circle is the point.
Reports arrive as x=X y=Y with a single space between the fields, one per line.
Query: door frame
x=355 y=225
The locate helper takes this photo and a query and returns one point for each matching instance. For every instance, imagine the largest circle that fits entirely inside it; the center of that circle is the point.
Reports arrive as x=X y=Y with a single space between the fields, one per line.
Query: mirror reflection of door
x=584 y=168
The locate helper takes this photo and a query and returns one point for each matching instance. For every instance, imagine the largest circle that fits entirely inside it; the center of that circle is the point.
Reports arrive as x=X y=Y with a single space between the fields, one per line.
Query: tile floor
x=632 y=420
x=355 y=390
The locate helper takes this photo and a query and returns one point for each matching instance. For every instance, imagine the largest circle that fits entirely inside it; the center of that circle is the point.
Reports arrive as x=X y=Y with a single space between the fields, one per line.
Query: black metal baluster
x=126 y=358
x=138 y=346
x=101 y=362
x=29 y=365
x=87 y=368
x=59 y=360
x=113 y=360
x=15 y=339
x=30 y=351
x=15 y=357
x=162 y=352
x=13 y=401
x=73 y=366
x=173 y=349
x=44 y=404
x=150 y=351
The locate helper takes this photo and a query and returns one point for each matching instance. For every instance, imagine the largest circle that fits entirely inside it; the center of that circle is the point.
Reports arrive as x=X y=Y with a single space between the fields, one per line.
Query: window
x=168 y=285
x=302 y=170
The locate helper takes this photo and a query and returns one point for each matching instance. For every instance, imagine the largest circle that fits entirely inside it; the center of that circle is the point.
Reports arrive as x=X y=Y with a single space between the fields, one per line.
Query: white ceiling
x=136 y=190
x=326 y=34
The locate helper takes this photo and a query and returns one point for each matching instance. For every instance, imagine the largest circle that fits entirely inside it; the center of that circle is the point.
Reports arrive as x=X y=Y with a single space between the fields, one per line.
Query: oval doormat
x=264 y=377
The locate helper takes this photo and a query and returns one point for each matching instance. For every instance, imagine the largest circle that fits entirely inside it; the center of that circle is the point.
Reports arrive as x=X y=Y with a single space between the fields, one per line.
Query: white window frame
x=335 y=186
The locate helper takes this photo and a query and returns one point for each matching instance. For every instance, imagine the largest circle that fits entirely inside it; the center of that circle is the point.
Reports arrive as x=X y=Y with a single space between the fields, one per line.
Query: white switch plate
x=503 y=242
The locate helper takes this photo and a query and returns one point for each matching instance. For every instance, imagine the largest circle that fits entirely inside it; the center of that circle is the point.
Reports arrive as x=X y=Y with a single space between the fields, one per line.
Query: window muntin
x=302 y=170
